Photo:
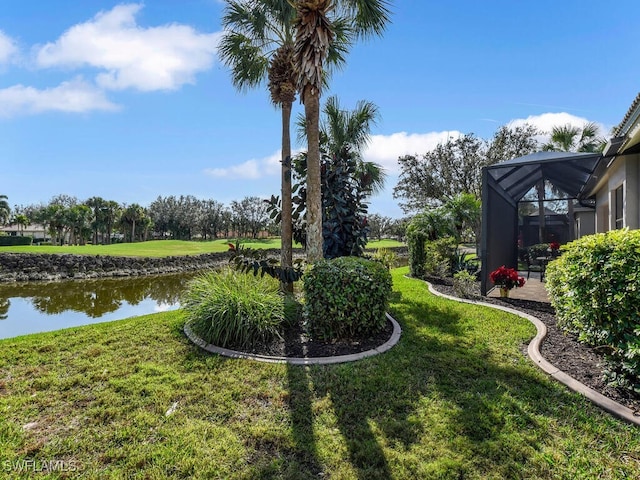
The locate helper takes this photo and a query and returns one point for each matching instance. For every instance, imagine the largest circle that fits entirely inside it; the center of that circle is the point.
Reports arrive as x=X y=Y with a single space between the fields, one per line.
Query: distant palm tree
x=315 y=34
x=569 y=138
x=22 y=221
x=5 y=210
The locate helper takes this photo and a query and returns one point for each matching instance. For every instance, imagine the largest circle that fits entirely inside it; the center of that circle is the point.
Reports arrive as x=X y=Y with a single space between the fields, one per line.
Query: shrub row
x=14 y=241
x=595 y=289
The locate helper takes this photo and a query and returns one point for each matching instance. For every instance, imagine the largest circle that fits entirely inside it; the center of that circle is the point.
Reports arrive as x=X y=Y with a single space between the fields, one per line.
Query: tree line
x=102 y=221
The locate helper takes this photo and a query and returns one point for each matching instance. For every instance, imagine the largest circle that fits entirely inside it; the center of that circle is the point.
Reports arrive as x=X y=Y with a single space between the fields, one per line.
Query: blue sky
x=129 y=101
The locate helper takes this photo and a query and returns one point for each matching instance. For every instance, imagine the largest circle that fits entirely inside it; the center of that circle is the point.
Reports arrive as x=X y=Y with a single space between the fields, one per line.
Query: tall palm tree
x=5 y=210
x=315 y=34
x=258 y=45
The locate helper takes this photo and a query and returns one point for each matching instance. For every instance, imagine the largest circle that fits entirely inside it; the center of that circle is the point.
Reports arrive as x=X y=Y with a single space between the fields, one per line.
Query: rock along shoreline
x=34 y=267
x=47 y=267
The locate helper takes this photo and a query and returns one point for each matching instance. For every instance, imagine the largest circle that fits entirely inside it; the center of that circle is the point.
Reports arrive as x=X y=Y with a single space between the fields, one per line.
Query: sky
x=129 y=100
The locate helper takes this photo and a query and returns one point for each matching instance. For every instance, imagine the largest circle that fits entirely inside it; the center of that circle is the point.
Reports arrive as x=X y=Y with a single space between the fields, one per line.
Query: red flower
x=554 y=245
x=508 y=278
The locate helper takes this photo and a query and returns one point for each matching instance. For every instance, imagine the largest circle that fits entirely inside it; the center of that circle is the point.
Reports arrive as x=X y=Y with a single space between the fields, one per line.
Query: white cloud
x=74 y=96
x=385 y=149
x=251 y=169
x=8 y=48
x=546 y=121
x=156 y=58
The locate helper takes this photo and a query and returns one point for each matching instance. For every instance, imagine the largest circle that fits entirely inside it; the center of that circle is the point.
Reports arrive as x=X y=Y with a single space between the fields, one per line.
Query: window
x=619 y=204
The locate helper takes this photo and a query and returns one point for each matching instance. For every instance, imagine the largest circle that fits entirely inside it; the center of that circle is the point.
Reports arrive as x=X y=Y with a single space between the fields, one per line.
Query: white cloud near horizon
x=386 y=149
x=8 y=48
x=146 y=59
x=546 y=121
x=250 y=170
x=74 y=96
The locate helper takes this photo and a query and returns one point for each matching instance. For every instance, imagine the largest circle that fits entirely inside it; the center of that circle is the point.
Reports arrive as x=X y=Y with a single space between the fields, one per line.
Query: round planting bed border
x=393 y=339
x=533 y=350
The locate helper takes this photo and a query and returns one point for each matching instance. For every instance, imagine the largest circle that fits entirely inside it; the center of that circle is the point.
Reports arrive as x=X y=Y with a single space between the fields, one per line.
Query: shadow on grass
x=496 y=412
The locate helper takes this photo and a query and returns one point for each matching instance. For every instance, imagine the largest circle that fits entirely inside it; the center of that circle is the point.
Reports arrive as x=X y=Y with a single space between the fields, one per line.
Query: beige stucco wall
x=625 y=170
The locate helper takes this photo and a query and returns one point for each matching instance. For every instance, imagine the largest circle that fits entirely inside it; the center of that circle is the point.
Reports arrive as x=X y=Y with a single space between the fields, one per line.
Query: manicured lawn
x=456 y=398
x=164 y=248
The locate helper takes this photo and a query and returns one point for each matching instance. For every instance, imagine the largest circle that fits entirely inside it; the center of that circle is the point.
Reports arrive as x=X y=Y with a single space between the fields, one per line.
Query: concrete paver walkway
x=533 y=289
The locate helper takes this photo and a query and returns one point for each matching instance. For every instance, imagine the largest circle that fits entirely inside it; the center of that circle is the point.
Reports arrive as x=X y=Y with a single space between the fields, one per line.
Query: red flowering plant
x=507 y=278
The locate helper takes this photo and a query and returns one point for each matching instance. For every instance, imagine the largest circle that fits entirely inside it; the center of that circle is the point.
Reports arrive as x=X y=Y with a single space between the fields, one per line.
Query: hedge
x=595 y=289
x=13 y=241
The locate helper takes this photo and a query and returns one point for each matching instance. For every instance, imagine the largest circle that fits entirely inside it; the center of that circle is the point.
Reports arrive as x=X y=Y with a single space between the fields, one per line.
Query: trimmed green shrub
x=417 y=256
x=13 y=241
x=595 y=289
x=346 y=296
x=231 y=309
x=439 y=254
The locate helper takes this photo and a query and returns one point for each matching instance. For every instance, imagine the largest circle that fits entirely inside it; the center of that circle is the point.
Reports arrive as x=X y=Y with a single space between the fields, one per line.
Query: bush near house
x=595 y=289
x=346 y=296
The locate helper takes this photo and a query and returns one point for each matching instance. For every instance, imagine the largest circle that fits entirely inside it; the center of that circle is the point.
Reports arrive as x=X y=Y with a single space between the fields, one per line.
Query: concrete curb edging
x=533 y=350
x=395 y=337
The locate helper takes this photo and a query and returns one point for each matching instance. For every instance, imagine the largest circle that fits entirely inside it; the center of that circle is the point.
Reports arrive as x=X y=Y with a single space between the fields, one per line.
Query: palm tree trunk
x=311 y=97
x=286 y=253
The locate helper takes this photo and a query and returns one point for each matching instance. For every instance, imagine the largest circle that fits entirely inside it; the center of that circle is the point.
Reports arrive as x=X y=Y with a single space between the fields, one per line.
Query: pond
x=41 y=307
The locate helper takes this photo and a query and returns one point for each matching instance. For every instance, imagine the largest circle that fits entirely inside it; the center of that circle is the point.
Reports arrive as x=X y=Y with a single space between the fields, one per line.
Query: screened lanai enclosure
x=530 y=200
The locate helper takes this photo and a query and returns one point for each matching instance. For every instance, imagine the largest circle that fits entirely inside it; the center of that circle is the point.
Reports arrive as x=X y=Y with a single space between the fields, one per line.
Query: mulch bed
x=295 y=343
x=582 y=362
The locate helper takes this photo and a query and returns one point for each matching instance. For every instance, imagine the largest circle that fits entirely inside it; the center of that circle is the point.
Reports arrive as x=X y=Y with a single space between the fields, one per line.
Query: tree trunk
x=311 y=97
x=286 y=234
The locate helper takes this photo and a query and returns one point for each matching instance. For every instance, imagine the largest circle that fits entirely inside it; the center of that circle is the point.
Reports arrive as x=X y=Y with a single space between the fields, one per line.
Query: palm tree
x=347 y=180
x=22 y=221
x=315 y=34
x=345 y=134
x=132 y=215
x=258 y=45
x=569 y=138
x=5 y=210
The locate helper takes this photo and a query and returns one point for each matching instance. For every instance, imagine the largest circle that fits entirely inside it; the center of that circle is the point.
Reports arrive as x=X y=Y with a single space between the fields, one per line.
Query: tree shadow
x=379 y=402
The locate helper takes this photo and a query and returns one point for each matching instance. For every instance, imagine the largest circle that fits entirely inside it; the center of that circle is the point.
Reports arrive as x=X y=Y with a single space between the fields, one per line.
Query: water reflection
x=35 y=307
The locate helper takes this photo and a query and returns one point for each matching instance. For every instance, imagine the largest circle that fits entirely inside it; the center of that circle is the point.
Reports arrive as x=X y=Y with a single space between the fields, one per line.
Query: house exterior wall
x=625 y=172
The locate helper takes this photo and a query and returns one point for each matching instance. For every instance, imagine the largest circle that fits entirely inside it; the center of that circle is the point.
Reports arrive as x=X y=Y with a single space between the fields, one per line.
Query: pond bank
x=27 y=267
x=46 y=267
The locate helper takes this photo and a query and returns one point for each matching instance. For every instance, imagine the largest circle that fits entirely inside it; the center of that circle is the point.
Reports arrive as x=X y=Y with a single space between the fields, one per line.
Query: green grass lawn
x=456 y=398
x=164 y=248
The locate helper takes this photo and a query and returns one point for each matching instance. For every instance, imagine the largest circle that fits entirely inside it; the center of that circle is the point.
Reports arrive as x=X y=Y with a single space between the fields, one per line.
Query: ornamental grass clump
x=231 y=309
x=346 y=297
x=594 y=287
